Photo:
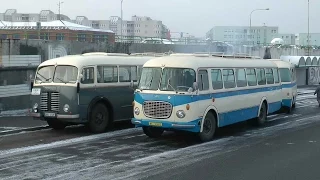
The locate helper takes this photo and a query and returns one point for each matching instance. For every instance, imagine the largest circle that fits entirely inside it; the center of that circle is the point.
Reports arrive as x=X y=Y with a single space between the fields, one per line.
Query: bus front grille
x=50 y=101
x=157 y=109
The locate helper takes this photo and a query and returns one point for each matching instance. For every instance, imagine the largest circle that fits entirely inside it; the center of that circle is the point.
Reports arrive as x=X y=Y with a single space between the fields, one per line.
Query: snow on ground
x=14 y=113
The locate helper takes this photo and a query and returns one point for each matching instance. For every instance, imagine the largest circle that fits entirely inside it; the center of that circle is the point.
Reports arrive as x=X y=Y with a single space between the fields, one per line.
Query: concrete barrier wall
x=20 y=60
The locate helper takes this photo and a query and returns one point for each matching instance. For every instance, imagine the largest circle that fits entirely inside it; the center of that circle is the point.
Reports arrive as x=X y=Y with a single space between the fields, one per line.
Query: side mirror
x=80 y=76
x=131 y=84
x=195 y=86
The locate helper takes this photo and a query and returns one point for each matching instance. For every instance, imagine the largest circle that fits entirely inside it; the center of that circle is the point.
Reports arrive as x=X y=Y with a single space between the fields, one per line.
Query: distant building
x=302 y=39
x=243 y=35
x=288 y=39
x=54 y=30
x=12 y=15
x=141 y=26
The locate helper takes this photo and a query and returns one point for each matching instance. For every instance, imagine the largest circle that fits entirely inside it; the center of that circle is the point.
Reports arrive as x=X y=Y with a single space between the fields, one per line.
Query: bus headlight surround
x=66 y=108
x=136 y=111
x=35 y=107
x=181 y=114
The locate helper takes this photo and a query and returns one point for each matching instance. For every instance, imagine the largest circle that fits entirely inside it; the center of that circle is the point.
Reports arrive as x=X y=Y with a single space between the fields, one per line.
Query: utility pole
x=308 y=28
x=266 y=9
x=59 y=5
x=121 y=21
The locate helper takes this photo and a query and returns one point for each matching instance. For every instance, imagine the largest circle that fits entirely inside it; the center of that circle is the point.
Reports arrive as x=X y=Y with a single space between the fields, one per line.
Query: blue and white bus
x=288 y=84
x=199 y=93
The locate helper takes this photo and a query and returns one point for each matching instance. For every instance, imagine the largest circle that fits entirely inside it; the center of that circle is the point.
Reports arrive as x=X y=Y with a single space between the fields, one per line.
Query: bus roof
x=196 y=62
x=88 y=59
x=282 y=64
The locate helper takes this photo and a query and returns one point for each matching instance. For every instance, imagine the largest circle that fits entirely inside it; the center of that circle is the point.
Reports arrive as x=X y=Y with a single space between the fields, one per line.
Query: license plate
x=50 y=114
x=36 y=91
x=155 y=124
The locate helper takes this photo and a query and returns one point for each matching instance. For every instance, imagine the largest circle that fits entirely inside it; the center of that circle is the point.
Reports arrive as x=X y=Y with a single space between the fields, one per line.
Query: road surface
x=286 y=146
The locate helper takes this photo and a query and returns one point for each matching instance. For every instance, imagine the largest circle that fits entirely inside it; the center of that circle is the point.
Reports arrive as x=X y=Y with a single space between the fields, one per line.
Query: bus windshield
x=62 y=74
x=170 y=79
x=177 y=79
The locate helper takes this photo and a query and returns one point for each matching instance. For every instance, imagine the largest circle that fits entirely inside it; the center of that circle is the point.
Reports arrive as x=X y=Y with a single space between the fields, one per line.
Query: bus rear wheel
x=56 y=124
x=99 y=118
x=209 y=128
x=152 y=132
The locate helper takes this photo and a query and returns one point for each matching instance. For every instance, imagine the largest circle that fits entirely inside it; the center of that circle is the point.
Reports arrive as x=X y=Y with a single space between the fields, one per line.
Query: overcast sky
x=193 y=16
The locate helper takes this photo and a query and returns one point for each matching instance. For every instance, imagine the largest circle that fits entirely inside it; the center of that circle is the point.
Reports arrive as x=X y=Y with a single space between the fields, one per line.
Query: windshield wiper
x=61 y=80
x=46 y=79
x=171 y=85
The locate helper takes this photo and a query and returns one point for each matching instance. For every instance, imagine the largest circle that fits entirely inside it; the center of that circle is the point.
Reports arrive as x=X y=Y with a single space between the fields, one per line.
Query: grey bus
x=94 y=89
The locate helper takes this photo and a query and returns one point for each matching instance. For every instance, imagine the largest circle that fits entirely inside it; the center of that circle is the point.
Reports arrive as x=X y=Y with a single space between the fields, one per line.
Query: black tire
x=99 y=118
x=262 y=117
x=209 y=128
x=152 y=132
x=294 y=103
x=56 y=124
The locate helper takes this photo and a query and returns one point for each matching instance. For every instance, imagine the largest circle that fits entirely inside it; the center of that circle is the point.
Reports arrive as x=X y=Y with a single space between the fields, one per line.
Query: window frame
x=94 y=75
x=245 y=76
x=198 y=80
x=211 y=71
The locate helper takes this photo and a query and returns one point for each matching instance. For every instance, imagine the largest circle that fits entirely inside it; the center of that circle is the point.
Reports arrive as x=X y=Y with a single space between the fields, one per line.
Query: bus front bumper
x=193 y=126
x=56 y=116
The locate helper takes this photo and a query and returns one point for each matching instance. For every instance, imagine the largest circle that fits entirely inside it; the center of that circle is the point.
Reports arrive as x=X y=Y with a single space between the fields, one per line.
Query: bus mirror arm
x=78 y=87
x=31 y=85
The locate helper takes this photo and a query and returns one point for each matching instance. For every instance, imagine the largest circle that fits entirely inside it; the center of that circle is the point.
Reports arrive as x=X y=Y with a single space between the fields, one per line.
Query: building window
x=4 y=36
x=16 y=36
x=45 y=36
x=81 y=37
x=60 y=37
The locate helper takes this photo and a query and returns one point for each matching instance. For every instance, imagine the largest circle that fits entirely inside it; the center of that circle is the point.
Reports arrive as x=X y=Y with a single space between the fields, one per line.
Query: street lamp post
x=121 y=21
x=267 y=9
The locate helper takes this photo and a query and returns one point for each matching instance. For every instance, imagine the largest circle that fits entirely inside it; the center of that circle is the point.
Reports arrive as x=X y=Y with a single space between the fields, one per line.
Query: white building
x=288 y=39
x=141 y=26
x=12 y=15
x=243 y=35
x=302 y=39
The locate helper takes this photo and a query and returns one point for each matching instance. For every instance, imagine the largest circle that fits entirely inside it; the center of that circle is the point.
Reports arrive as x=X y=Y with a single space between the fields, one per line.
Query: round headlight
x=136 y=111
x=181 y=114
x=66 y=108
x=35 y=107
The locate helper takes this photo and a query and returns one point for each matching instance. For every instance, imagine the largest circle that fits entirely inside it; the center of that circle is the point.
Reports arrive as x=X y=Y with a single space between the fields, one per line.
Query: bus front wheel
x=55 y=124
x=99 y=118
x=262 y=118
x=209 y=128
x=152 y=132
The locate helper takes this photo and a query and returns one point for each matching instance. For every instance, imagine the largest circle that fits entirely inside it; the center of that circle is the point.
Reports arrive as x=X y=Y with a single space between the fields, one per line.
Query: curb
x=23 y=129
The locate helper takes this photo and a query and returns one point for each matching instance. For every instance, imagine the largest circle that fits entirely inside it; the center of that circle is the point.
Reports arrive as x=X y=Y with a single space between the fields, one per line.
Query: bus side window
x=251 y=76
x=107 y=74
x=276 y=75
x=228 y=78
x=124 y=74
x=216 y=78
x=269 y=76
x=88 y=75
x=261 y=76
x=203 y=80
x=241 y=78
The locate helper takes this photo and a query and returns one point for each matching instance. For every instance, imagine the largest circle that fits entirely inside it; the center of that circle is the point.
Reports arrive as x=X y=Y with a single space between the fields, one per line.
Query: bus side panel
x=242 y=105
x=120 y=98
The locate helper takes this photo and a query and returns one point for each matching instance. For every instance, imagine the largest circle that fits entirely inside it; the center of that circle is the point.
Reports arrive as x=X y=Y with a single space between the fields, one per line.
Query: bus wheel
x=99 y=118
x=152 y=132
x=294 y=103
x=209 y=128
x=262 y=118
x=56 y=124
